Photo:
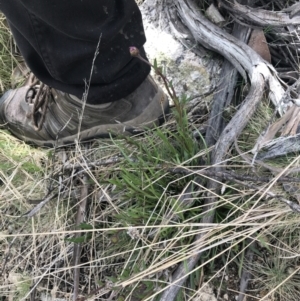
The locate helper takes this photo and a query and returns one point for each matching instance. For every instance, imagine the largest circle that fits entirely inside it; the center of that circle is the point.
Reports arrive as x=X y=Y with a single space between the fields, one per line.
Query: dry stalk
x=81 y=210
x=80 y=218
x=86 y=92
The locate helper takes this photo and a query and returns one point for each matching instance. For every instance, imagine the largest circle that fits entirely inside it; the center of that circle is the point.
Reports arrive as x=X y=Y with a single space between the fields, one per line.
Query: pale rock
x=186 y=70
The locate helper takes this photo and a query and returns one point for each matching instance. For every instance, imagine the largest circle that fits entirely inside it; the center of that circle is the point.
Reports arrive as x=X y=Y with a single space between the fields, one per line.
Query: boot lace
x=37 y=96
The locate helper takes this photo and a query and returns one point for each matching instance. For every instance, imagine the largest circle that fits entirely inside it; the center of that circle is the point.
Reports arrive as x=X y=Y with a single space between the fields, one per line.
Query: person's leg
x=58 y=40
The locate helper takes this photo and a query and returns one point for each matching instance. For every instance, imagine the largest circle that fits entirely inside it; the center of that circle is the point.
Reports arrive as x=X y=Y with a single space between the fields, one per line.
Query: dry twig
x=80 y=218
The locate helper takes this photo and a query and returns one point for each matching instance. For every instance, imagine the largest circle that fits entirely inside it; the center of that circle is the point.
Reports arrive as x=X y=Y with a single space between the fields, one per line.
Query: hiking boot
x=43 y=116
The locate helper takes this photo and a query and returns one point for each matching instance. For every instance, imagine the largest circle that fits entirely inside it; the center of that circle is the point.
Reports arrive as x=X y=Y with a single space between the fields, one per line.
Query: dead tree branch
x=260 y=17
x=261 y=76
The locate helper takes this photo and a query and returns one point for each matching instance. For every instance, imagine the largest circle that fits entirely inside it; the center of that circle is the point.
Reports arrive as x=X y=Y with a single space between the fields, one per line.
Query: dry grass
x=136 y=230
x=140 y=220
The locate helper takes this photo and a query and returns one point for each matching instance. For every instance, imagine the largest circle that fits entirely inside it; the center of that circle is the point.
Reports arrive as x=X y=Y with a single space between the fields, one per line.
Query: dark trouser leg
x=58 y=39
